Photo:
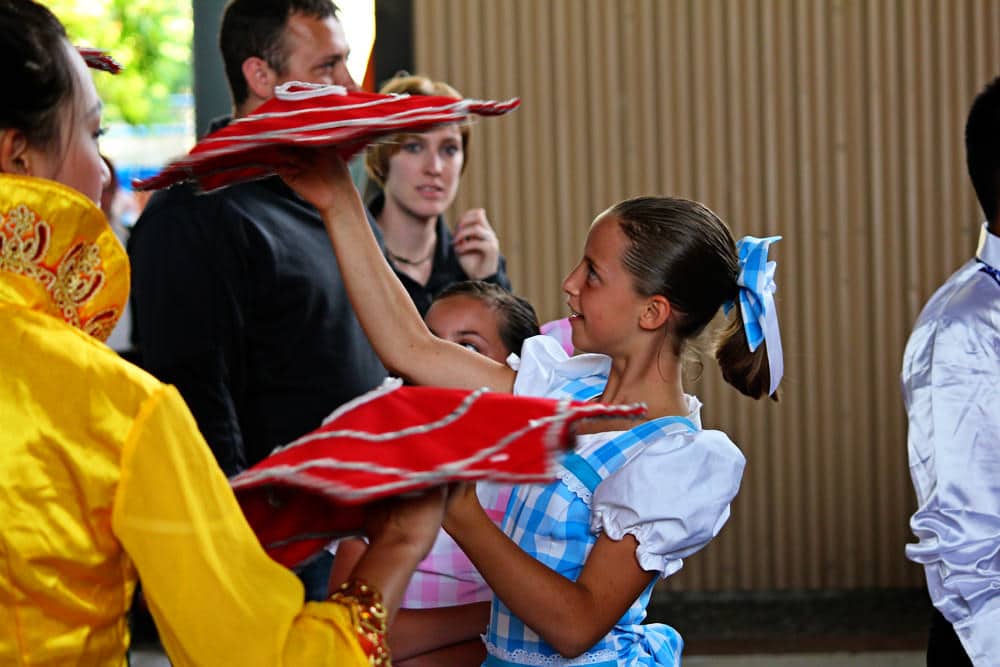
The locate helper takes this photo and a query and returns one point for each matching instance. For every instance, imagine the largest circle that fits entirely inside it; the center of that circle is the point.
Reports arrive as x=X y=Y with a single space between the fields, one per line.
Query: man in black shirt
x=237 y=297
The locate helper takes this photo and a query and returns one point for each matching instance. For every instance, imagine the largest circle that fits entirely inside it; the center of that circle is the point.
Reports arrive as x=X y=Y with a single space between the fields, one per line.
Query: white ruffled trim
x=544 y=366
x=575 y=485
x=649 y=561
x=514 y=361
x=523 y=657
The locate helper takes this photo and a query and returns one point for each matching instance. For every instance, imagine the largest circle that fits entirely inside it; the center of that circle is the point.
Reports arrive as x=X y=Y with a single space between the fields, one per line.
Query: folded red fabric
x=396 y=440
x=311 y=115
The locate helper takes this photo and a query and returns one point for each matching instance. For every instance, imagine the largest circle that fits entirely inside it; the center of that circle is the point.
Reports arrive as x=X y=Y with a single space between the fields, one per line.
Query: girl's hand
x=413 y=520
x=401 y=532
x=463 y=506
x=319 y=176
x=476 y=245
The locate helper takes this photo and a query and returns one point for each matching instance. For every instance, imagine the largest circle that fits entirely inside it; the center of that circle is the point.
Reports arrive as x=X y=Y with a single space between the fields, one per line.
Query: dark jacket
x=239 y=302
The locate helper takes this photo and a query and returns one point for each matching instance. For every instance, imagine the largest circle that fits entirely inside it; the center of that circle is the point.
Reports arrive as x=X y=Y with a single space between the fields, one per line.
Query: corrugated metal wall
x=837 y=124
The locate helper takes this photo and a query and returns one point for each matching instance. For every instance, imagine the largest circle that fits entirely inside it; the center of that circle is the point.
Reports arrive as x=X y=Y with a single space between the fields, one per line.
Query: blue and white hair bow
x=760 y=316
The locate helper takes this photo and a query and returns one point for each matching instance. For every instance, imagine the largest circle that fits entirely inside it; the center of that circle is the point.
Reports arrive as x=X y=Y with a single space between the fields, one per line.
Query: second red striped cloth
x=396 y=440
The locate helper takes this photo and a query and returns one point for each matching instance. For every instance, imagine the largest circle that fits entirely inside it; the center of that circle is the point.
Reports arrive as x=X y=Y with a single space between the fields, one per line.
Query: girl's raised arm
x=388 y=316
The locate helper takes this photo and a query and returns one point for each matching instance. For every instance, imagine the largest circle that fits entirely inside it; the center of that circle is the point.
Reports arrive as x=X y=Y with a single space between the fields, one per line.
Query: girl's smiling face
x=604 y=306
x=424 y=173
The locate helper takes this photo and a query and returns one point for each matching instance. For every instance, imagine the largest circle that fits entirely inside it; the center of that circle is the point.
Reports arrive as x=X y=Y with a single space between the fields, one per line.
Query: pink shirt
x=446 y=577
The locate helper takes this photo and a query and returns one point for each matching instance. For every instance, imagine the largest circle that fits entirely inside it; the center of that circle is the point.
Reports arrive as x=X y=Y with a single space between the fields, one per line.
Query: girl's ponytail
x=746 y=370
x=749 y=349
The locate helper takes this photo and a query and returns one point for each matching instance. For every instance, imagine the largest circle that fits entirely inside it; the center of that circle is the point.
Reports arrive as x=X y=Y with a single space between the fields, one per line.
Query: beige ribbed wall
x=837 y=124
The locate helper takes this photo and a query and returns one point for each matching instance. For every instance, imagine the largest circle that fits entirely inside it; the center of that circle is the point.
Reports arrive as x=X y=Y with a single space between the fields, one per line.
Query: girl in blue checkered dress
x=573 y=567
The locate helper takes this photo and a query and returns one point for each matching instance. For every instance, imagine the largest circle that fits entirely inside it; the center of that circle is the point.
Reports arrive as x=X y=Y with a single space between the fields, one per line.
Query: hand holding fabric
x=320 y=176
x=312 y=116
x=407 y=520
x=462 y=502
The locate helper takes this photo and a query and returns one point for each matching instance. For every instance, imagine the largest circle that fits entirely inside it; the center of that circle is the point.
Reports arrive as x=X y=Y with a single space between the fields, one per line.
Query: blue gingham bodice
x=552 y=523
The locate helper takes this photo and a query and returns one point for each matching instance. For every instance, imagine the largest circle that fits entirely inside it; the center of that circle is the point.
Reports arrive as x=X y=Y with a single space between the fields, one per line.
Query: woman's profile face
x=74 y=159
x=424 y=174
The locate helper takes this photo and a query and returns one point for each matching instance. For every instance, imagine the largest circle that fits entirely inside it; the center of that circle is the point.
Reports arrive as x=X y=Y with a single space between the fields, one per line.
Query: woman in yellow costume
x=103 y=474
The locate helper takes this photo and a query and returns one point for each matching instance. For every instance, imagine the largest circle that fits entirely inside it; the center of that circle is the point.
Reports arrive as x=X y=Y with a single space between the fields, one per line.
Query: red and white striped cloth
x=396 y=440
x=311 y=115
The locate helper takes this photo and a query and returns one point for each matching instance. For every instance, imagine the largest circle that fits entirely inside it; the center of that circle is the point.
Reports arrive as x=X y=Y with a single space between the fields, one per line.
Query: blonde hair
x=379 y=154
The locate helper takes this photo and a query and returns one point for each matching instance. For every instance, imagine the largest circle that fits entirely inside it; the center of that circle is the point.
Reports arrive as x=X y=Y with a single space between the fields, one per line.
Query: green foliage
x=150 y=38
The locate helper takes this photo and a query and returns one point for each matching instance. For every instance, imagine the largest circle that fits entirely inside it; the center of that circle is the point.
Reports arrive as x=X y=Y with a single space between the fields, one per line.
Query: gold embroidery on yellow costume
x=371 y=620
x=81 y=265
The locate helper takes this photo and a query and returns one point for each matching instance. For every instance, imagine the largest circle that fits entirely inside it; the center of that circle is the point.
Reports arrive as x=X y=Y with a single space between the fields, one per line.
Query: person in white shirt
x=951 y=388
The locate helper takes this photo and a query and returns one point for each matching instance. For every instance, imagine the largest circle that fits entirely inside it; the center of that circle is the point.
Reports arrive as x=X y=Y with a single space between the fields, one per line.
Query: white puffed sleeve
x=673 y=497
x=544 y=366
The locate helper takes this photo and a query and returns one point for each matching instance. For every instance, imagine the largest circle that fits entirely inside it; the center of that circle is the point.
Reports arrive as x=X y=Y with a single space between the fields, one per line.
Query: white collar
x=989 y=248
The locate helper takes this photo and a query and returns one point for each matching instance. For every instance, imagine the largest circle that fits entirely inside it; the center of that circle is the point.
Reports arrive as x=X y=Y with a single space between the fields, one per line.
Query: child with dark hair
x=446 y=605
x=483 y=317
x=574 y=565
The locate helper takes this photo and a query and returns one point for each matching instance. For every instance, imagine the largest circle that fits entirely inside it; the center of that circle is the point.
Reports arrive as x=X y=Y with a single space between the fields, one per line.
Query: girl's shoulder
x=692 y=444
x=687 y=459
x=544 y=369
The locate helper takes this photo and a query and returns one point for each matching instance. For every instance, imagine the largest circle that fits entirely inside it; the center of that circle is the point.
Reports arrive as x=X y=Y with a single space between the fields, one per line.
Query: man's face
x=317 y=52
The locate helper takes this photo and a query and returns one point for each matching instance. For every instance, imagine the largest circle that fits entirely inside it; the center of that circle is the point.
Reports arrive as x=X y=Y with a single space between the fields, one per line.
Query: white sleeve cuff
x=649 y=558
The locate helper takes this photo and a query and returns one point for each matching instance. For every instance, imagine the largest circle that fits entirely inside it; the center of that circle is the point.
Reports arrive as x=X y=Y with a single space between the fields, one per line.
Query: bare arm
x=390 y=320
x=419 y=631
x=349 y=552
x=571 y=616
x=469 y=653
x=401 y=532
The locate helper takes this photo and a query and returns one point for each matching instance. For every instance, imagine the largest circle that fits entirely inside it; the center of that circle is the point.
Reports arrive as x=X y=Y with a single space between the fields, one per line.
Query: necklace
x=411 y=262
